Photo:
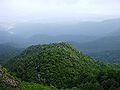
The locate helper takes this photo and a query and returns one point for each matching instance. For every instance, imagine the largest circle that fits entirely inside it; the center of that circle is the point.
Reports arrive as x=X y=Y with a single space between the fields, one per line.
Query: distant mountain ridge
x=106 y=48
x=112 y=56
x=110 y=42
x=80 y=28
x=32 y=33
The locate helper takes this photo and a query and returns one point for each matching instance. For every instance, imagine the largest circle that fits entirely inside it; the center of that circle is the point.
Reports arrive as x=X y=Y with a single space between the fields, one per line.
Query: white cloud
x=59 y=9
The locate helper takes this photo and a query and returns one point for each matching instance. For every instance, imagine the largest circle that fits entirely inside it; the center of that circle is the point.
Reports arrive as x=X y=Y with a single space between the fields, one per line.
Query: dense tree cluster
x=7 y=81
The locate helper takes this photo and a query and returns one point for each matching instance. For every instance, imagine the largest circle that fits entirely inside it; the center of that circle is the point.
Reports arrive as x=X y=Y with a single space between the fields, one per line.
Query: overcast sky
x=58 y=10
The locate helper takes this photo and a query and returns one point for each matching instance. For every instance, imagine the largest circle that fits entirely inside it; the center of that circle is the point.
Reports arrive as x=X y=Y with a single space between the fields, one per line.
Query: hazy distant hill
x=109 y=42
x=37 y=39
x=5 y=36
x=112 y=56
x=106 y=48
x=73 y=28
x=25 y=34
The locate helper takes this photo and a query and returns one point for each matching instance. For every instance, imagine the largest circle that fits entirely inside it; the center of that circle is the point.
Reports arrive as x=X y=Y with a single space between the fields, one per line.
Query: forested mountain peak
x=62 y=66
x=55 y=63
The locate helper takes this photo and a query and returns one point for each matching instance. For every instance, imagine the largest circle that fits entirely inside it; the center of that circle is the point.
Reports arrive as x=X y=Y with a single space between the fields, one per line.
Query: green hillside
x=7 y=52
x=63 y=66
x=7 y=81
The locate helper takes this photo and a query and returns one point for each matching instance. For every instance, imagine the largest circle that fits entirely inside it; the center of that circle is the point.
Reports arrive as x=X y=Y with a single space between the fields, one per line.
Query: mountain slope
x=7 y=81
x=7 y=52
x=62 y=66
x=57 y=64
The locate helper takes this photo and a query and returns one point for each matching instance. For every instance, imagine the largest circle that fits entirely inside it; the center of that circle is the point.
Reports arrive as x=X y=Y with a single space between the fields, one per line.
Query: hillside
x=52 y=64
x=63 y=66
x=7 y=81
x=7 y=52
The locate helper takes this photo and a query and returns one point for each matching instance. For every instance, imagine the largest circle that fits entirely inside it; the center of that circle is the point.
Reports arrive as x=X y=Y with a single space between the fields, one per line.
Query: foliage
x=58 y=64
x=62 y=66
x=7 y=52
x=7 y=81
x=34 y=86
